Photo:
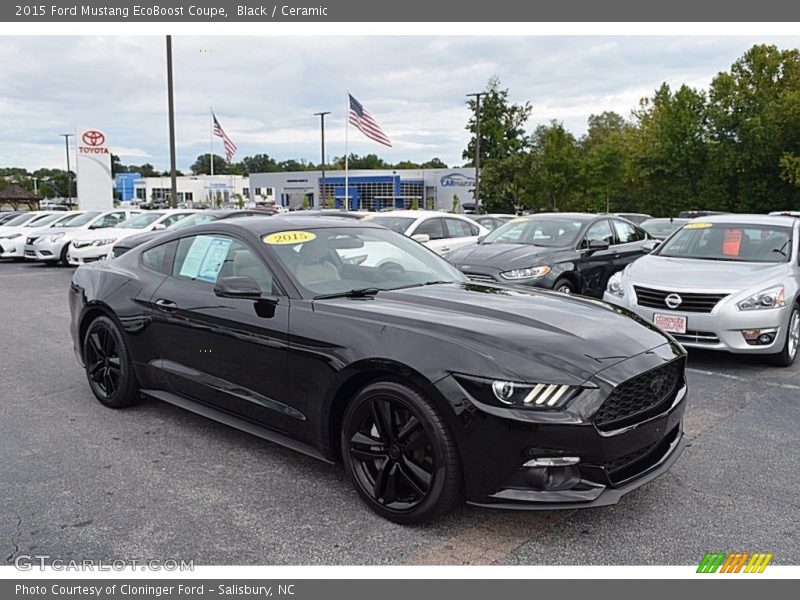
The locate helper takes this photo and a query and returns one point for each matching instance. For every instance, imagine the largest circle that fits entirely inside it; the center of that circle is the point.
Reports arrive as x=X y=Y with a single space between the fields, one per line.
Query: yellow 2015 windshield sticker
x=697 y=226
x=289 y=237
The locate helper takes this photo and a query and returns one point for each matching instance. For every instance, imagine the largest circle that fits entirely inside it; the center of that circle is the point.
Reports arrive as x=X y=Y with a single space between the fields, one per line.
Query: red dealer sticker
x=732 y=242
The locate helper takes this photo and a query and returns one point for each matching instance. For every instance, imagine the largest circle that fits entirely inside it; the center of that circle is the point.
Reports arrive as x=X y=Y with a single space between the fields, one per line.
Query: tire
x=109 y=368
x=62 y=258
x=787 y=356
x=564 y=286
x=400 y=454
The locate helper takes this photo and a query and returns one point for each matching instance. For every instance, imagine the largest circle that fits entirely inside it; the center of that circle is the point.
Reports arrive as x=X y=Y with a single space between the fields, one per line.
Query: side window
x=431 y=227
x=159 y=259
x=110 y=220
x=457 y=228
x=172 y=219
x=206 y=258
x=599 y=232
x=627 y=232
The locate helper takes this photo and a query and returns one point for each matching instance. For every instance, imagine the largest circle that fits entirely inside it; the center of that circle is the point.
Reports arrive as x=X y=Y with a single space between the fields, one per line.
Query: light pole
x=66 y=137
x=477 y=97
x=171 y=109
x=321 y=116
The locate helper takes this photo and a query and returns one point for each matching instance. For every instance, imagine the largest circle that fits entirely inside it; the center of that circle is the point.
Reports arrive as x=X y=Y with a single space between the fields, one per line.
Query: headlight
x=540 y=396
x=770 y=298
x=56 y=236
x=614 y=286
x=104 y=242
x=529 y=273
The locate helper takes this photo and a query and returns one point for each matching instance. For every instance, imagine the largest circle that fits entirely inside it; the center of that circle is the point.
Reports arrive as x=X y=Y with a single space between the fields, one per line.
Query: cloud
x=265 y=90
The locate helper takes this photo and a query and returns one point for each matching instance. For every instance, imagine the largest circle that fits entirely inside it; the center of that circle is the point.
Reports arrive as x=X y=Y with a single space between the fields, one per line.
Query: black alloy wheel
x=400 y=454
x=564 y=286
x=108 y=365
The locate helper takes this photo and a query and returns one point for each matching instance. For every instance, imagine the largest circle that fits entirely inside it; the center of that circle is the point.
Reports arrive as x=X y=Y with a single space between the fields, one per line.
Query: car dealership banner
x=95 y=183
x=407 y=11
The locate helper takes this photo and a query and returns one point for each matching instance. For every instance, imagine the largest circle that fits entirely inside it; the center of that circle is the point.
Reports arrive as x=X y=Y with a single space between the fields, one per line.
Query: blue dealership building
x=435 y=189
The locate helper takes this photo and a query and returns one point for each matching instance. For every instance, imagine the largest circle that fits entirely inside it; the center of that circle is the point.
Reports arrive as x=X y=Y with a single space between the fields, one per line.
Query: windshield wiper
x=357 y=293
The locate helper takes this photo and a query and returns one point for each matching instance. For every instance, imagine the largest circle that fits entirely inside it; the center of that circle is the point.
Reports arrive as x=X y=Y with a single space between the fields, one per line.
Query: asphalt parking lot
x=155 y=482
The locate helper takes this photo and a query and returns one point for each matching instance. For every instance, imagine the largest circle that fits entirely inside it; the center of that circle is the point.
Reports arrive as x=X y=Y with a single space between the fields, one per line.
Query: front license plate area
x=670 y=323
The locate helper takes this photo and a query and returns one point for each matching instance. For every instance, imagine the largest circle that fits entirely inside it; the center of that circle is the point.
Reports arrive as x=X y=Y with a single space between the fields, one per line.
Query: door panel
x=595 y=267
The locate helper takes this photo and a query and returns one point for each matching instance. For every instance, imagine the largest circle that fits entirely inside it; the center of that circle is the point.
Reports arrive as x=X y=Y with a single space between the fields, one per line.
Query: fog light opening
x=759 y=337
x=553 y=478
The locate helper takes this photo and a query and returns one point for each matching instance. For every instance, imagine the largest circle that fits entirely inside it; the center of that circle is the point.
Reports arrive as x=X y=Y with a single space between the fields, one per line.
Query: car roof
x=744 y=219
x=417 y=213
x=569 y=215
x=266 y=224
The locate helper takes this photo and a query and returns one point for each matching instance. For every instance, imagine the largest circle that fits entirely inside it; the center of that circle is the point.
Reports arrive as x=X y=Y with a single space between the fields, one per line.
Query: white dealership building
x=369 y=189
x=196 y=190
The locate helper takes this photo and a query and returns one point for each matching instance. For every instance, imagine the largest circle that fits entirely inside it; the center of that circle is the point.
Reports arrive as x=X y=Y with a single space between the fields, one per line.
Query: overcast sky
x=265 y=90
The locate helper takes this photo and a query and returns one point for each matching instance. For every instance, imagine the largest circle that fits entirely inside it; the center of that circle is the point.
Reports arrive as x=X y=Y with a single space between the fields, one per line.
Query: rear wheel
x=564 y=285
x=109 y=367
x=788 y=354
x=400 y=454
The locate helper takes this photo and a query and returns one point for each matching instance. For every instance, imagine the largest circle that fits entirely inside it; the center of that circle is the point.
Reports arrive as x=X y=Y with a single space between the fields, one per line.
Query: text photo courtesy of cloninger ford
x=390 y=300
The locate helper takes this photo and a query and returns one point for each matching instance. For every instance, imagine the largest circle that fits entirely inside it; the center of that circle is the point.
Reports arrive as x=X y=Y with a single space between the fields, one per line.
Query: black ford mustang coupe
x=429 y=388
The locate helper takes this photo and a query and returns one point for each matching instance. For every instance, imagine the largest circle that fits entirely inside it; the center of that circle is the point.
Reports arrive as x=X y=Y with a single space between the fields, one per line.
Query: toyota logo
x=673 y=301
x=93 y=138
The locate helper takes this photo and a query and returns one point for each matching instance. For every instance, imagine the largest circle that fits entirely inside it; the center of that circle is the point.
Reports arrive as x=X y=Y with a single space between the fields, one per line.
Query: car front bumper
x=44 y=250
x=87 y=254
x=496 y=443
x=12 y=248
x=721 y=329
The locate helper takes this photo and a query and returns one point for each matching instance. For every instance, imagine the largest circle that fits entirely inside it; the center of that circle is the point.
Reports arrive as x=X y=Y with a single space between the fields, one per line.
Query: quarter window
x=159 y=259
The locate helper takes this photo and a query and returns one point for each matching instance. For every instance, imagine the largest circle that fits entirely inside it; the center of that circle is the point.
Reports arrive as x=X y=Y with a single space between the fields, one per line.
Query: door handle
x=166 y=305
x=445 y=249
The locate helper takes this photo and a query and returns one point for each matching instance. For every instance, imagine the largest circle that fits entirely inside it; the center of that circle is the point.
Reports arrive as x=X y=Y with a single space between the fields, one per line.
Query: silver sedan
x=727 y=282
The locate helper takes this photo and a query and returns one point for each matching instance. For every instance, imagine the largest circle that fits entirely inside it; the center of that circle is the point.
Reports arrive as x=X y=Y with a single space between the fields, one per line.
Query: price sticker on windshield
x=289 y=237
x=697 y=226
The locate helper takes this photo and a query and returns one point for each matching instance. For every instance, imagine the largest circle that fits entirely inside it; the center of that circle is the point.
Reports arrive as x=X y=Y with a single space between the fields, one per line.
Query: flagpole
x=347 y=154
x=211 y=140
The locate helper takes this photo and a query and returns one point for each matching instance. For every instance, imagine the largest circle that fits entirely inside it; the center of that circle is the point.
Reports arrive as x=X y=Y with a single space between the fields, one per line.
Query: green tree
x=260 y=163
x=555 y=167
x=502 y=124
x=754 y=122
x=605 y=164
x=202 y=166
x=434 y=163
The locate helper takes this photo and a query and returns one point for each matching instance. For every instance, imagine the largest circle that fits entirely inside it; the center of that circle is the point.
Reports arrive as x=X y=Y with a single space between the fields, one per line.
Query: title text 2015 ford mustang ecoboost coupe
x=428 y=387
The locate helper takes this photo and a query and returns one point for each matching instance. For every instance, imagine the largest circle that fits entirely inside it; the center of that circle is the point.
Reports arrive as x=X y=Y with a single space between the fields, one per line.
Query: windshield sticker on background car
x=289 y=237
x=697 y=226
x=205 y=258
x=732 y=242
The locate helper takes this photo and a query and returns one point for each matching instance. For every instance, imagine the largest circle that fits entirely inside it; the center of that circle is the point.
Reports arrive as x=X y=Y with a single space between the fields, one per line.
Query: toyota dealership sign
x=95 y=184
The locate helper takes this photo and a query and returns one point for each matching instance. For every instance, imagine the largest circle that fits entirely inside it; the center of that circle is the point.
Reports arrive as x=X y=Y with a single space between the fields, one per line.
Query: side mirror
x=159 y=227
x=481 y=238
x=596 y=245
x=649 y=246
x=422 y=238
x=237 y=287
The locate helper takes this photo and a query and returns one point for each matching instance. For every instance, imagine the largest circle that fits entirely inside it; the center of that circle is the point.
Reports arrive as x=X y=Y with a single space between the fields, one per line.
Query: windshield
x=80 y=219
x=141 y=221
x=197 y=219
x=19 y=219
x=661 y=227
x=398 y=224
x=730 y=242
x=339 y=260
x=44 y=220
x=551 y=233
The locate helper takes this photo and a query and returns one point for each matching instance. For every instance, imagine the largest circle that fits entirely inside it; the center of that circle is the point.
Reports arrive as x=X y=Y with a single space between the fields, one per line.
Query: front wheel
x=109 y=366
x=564 y=286
x=400 y=454
x=788 y=354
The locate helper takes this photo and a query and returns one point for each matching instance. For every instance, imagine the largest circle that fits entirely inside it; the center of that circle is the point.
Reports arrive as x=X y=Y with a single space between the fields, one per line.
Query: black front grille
x=640 y=397
x=690 y=302
x=481 y=278
x=697 y=337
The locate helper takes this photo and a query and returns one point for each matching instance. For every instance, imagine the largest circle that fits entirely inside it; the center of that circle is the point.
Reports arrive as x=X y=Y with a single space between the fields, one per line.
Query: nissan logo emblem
x=673 y=301
x=93 y=138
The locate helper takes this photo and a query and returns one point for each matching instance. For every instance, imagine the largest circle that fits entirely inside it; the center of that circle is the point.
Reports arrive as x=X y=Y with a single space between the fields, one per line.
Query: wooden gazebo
x=15 y=196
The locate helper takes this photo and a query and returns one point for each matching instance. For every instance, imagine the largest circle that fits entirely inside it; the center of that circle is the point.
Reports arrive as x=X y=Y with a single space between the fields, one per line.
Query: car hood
x=533 y=334
x=501 y=256
x=106 y=233
x=695 y=274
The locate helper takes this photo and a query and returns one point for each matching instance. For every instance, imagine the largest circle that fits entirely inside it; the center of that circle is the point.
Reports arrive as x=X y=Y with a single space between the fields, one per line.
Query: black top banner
x=406 y=11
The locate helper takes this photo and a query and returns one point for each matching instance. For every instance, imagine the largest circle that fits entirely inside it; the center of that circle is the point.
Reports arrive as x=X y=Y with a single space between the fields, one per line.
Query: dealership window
x=207 y=258
x=141 y=194
x=188 y=196
x=246 y=192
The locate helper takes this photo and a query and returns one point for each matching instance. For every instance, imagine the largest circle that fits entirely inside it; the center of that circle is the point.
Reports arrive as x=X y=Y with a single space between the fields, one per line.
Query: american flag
x=365 y=123
x=230 y=147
